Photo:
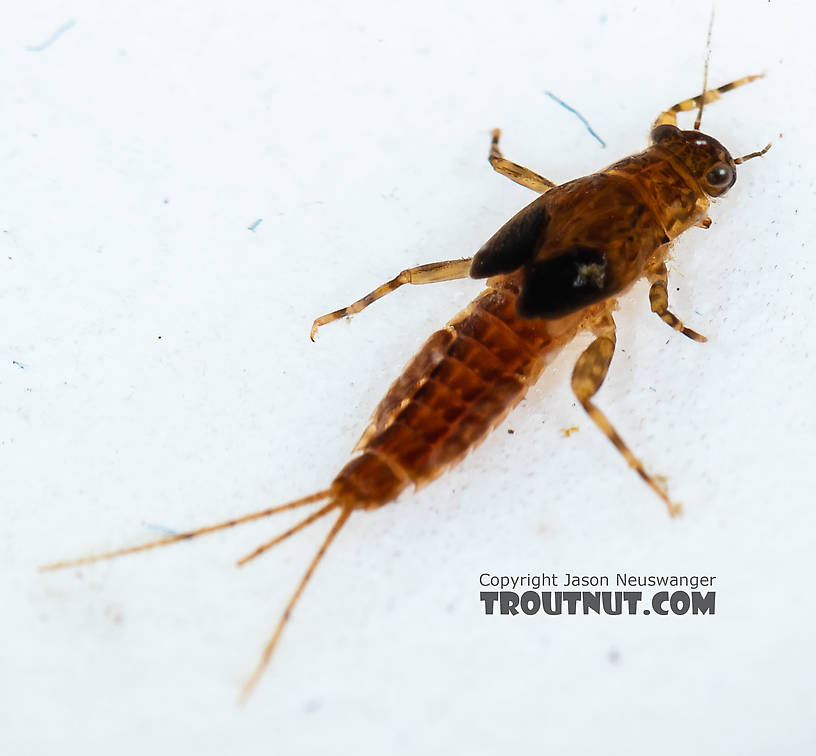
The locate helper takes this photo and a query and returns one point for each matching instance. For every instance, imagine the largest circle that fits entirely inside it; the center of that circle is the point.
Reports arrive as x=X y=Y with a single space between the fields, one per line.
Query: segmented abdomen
x=460 y=385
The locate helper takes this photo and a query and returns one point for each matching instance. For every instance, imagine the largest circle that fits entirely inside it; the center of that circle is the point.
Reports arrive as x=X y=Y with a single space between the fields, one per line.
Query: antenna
x=705 y=71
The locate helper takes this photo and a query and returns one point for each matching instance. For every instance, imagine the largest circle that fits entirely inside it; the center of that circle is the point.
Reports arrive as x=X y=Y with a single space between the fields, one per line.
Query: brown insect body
x=555 y=268
x=601 y=230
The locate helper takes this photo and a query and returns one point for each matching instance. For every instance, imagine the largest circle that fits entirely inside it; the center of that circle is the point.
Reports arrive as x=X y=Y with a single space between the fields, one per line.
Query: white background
x=166 y=380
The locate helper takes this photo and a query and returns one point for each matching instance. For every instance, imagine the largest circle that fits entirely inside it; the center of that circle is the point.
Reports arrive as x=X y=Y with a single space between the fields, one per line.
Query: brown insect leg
x=710 y=95
x=273 y=641
x=447 y=270
x=587 y=377
x=514 y=171
x=659 y=300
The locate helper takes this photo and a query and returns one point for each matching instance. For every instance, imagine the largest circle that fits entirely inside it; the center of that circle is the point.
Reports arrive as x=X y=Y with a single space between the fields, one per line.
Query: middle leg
x=447 y=270
x=587 y=377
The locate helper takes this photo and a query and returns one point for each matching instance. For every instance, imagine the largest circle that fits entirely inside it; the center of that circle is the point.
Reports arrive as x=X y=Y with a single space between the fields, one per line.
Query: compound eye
x=664 y=131
x=721 y=176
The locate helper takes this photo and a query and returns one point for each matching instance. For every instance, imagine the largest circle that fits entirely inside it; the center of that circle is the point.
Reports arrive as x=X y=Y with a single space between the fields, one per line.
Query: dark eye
x=720 y=176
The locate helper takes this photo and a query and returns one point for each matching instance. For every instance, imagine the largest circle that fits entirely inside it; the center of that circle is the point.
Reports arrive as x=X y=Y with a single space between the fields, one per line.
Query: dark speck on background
x=312 y=705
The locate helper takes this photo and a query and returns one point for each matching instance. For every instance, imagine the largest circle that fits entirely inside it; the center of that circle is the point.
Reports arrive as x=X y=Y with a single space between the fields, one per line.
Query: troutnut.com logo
x=675 y=594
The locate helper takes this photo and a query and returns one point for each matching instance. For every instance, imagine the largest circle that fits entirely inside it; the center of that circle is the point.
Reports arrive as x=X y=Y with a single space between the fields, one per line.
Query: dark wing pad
x=555 y=287
x=514 y=244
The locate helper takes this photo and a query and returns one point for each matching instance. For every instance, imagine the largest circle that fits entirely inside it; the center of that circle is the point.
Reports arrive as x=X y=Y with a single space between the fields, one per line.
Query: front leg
x=514 y=171
x=659 y=300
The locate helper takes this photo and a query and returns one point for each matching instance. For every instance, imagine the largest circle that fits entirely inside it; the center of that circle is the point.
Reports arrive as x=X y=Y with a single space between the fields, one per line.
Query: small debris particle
x=569 y=431
x=164 y=530
x=53 y=38
x=255 y=224
x=582 y=119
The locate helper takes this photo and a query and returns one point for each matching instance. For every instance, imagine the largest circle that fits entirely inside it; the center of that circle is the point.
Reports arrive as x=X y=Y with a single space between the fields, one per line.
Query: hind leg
x=587 y=377
x=514 y=171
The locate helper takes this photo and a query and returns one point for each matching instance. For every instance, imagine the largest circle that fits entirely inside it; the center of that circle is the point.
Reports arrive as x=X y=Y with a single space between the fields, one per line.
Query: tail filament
x=273 y=641
x=345 y=512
